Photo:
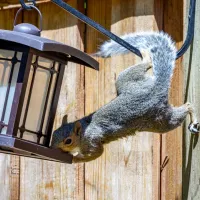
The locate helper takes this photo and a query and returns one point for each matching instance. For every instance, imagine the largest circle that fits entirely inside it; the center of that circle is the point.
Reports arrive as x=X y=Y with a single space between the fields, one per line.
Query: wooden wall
x=130 y=168
x=191 y=145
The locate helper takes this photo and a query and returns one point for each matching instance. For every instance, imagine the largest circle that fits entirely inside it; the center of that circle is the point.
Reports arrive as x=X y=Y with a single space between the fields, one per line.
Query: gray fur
x=154 y=43
x=142 y=100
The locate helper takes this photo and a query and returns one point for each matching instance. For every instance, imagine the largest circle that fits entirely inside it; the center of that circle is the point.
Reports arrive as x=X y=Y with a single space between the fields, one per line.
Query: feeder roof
x=46 y=45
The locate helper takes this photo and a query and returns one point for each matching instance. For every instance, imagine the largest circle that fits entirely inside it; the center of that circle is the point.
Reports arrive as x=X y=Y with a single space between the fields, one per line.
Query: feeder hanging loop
x=31 y=7
x=26 y=6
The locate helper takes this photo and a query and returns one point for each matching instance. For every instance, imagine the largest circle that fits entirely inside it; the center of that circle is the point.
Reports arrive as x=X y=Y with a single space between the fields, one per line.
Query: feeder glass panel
x=38 y=100
x=9 y=68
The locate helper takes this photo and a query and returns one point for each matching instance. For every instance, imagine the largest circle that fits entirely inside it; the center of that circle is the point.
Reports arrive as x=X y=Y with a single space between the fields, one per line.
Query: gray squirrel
x=141 y=103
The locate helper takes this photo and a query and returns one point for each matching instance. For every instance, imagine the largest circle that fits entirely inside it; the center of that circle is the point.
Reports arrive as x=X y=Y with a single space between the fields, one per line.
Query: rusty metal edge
x=35 y=150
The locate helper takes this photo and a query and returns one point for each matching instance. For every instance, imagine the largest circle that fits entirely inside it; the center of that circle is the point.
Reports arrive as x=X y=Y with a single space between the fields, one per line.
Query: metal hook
x=25 y=6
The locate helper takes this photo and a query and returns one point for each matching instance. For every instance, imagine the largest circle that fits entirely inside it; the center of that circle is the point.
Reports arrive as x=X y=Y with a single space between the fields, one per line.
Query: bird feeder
x=31 y=73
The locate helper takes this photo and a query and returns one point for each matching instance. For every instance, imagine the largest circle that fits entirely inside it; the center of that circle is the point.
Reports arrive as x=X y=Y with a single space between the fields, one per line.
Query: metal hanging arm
x=190 y=31
x=87 y=20
x=97 y=26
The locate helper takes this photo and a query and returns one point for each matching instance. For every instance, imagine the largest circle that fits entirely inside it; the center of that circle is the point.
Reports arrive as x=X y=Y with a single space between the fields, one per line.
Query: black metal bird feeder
x=31 y=73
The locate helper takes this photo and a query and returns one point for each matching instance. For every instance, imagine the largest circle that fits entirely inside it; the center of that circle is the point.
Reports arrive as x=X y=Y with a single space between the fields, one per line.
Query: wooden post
x=191 y=145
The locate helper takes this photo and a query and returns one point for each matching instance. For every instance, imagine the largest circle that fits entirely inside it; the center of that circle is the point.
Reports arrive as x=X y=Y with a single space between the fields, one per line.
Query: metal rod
x=96 y=26
x=190 y=31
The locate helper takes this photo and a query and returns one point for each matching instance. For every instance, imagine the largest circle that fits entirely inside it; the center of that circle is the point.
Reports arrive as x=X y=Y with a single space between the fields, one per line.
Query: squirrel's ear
x=77 y=128
x=64 y=120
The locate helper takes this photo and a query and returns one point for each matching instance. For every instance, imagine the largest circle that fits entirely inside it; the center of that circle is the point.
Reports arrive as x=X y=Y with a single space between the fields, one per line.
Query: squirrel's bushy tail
x=161 y=47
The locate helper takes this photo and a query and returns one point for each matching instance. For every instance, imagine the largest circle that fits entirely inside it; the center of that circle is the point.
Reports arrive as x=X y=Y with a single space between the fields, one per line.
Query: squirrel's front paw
x=194 y=127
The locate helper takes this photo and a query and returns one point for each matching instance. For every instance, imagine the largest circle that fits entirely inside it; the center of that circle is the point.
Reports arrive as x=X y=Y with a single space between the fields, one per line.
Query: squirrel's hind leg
x=179 y=114
x=134 y=73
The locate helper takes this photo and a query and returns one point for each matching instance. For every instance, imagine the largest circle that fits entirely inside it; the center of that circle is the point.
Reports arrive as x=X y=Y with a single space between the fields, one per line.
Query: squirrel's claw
x=194 y=127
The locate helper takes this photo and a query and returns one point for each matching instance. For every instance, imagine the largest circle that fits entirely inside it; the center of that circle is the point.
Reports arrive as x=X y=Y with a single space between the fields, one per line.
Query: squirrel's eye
x=68 y=141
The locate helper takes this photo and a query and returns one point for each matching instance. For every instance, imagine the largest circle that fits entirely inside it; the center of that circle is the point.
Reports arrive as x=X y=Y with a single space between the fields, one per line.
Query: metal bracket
x=98 y=27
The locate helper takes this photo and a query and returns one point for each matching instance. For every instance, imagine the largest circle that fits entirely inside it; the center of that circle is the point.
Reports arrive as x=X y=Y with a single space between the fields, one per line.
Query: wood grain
x=49 y=180
x=171 y=177
x=125 y=170
x=129 y=168
x=191 y=145
x=157 y=138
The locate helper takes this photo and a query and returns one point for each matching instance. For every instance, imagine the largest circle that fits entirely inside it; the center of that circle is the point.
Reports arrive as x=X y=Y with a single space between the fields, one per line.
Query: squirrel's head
x=67 y=137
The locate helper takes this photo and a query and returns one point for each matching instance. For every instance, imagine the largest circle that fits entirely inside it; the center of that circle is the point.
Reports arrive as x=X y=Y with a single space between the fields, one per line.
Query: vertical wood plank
x=9 y=165
x=4 y=175
x=157 y=138
x=14 y=178
x=171 y=182
x=191 y=145
x=125 y=170
x=9 y=177
x=159 y=14
x=49 y=180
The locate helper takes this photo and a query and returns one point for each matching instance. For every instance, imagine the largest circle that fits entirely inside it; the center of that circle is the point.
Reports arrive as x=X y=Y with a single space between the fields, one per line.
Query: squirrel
x=141 y=103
